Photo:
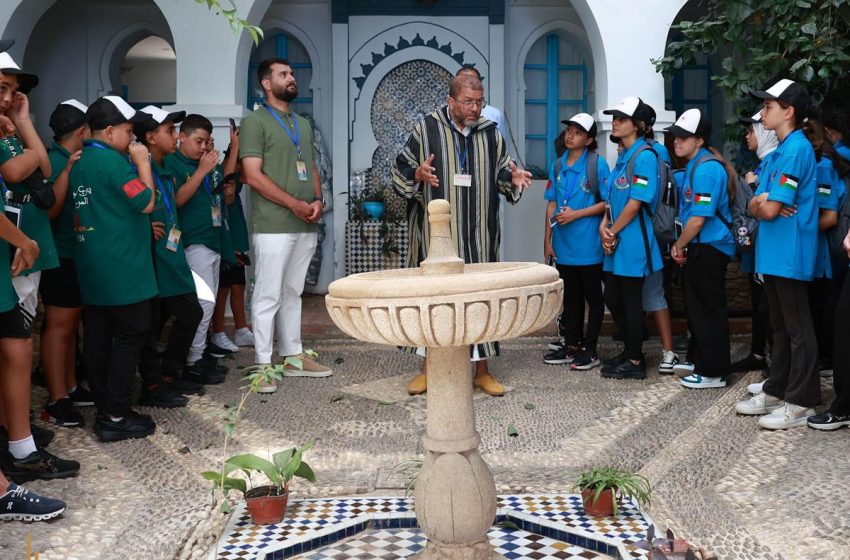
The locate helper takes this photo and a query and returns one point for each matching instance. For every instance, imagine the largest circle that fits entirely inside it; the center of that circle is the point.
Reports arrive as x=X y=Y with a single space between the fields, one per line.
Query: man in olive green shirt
x=275 y=146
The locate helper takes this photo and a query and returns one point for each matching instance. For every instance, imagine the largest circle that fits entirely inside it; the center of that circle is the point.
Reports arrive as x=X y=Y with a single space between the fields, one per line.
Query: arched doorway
x=148 y=74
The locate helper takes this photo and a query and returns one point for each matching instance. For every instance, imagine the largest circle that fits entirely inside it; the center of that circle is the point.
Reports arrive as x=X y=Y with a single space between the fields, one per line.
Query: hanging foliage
x=236 y=23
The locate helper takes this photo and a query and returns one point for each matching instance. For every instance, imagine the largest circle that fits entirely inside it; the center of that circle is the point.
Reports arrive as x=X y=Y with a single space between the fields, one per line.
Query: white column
x=339 y=140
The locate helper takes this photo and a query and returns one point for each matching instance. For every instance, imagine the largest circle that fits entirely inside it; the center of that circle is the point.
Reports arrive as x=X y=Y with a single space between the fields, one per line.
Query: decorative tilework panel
x=364 y=246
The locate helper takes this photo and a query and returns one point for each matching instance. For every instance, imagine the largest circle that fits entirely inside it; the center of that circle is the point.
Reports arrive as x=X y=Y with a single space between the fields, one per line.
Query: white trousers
x=27 y=289
x=280 y=271
x=206 y=263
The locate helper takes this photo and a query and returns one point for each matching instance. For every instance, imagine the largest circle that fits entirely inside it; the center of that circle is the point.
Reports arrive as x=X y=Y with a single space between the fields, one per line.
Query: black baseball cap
x=584 y=122
x=111 y=110
x=6 y=44
x=633 y=108
x=747 y=121
x=155 y=117
x=691 y=123
x=26 y=80
x=67 y=117
x=788 y=91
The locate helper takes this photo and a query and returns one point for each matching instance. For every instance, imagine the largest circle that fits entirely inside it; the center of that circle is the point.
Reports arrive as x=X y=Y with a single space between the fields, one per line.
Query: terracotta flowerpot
x=265 y=505
x=602 y=507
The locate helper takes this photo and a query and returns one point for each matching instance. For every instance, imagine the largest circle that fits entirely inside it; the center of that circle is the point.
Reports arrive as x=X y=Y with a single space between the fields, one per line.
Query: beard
x=285 y=94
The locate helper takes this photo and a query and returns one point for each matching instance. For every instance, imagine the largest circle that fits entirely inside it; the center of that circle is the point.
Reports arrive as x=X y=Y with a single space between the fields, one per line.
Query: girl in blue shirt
x=704 y=248
x=785 y=204
x=572 y=240
x=628 y=241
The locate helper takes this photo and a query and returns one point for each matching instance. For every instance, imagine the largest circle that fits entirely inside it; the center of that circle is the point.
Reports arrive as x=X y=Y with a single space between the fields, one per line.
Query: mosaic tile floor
x=539 y=527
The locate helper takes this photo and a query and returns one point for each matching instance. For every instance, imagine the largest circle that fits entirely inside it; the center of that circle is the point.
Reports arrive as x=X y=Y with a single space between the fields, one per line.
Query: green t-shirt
x=63 y=225
x=113 y=251
x=8 y=296
x=35 y=222
x=261 y=135
x=236 y=221
x=196 y=215
x=173 y=275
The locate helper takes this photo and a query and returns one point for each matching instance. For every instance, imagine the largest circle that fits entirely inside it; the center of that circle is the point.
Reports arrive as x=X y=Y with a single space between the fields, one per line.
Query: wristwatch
x=319 y=199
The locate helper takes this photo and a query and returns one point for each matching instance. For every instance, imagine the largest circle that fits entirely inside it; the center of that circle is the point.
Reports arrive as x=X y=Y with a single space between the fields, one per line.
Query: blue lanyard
x=575 y=181
x=207 y=185
x=166 y=192
x=98 y=145
x=462 y=156
x=293 y=135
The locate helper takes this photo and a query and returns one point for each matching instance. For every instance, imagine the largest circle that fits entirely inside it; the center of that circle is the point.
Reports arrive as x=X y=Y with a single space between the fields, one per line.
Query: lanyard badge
x=295 y=135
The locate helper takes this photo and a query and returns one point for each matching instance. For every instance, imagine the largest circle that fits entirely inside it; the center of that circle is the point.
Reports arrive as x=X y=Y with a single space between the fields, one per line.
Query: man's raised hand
x=520 y=178
x=425 y=172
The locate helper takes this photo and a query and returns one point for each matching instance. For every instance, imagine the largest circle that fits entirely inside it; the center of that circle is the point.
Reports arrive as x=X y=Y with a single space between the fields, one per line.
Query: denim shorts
x=653 y=292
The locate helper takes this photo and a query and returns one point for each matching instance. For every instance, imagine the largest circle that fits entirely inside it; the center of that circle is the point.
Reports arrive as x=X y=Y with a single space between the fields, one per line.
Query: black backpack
x=743 y=226
x=592 y=173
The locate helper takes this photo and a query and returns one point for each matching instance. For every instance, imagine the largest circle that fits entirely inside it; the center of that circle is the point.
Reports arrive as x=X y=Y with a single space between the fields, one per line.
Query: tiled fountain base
x=538 y=527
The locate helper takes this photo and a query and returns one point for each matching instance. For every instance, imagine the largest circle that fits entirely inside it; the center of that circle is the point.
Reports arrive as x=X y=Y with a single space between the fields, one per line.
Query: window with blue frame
x=690 y=87
x=556 y=88
x=283 y=45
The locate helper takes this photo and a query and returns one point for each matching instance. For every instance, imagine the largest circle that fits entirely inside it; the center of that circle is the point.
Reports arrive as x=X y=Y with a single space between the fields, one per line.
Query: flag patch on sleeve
x=133 y=187
x=824 y=190
x=640 y=181
x=702 y=199
x=549 y=185
x=788 y=181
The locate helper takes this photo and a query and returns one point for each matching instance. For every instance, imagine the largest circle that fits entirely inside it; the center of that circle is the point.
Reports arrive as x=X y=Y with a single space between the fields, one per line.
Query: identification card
x=463 y=180
x=173 y=239
x=14 y=212
x=216 y=216
x=301 y=169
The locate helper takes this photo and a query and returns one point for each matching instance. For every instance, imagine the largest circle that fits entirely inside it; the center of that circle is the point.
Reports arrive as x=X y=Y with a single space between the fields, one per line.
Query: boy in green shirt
x=199 y=204
x=114 y=264
x=60 y=290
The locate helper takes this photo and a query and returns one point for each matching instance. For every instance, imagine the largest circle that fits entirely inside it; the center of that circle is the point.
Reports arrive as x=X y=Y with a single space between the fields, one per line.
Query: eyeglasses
x=467 y=103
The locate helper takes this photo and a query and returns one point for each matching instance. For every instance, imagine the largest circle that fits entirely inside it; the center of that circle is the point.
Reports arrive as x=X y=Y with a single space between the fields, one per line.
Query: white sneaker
x=220 y=339
x=243 y=337
x=758 y=405
x=755 y=388
x=789 y=416
x=669 y=360
x=696 y=381
x=682 y=369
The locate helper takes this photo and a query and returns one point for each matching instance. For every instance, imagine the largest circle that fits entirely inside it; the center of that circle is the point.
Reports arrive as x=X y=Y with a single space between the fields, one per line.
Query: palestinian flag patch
x=788 y=181
x=640 y=181
x=824 y=190
x=702 y=199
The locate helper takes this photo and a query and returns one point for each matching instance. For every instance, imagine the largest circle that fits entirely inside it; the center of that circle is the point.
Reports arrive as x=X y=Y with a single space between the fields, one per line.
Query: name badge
x=301 y=169
x=216 y=216
x=14 y=212
x=463 y=180
x=173 y=239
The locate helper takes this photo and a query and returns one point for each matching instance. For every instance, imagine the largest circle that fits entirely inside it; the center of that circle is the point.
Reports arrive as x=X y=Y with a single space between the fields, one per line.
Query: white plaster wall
x=150 y=81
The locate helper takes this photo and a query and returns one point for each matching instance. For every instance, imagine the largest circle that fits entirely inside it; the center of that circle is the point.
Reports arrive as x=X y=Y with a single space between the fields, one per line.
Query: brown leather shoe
x=418 y=384
x=487 y=383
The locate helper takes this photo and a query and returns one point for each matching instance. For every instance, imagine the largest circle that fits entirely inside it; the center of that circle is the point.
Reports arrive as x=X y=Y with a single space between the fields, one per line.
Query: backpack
x=836 y=235
x=592 y=172
x=743 y=226
x=667 y=210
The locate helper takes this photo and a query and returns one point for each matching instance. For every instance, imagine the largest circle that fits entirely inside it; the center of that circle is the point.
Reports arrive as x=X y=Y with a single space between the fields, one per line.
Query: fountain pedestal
x=446 y=306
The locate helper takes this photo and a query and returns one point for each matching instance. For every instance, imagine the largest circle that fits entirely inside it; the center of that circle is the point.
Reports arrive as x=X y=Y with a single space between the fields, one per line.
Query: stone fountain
x=446 y=306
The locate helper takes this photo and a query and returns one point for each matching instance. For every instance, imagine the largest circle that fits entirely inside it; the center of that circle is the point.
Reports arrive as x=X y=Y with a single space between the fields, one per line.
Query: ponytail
x=731 y=174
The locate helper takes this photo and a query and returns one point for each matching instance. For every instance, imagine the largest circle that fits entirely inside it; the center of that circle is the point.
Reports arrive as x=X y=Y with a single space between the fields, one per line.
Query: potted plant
x=603 y=487
x=373 y=203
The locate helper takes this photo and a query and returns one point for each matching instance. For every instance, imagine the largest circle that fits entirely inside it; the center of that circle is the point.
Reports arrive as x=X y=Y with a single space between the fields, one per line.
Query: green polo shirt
x=63 y=225
x=262 y=136
x=236 y=221
x=173 y=275
x=196 y=215
x=8 y=296
x=113 y=251
x=35 y=222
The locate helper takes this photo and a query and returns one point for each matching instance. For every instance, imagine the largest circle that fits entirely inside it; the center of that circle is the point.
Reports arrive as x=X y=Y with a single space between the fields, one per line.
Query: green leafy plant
x=283 y=467
x=237 y=24
x=622 y=483
x=410 y=470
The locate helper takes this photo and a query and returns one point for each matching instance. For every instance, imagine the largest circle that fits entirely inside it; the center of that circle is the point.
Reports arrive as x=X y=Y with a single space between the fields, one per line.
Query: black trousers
x=705 y=304
x=760 y=318
x=112 y=341
x=187 y=313
x=794 y=359
x=624 y=298
x=841 y=353
x=582 y=284
x=819 y=297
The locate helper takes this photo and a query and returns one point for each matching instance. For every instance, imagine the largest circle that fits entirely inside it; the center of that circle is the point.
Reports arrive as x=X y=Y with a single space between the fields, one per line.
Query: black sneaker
x=182 y=386
x=42 y=436
x=565 y=355
x=199 y=372
x=62 y=413
x=39 y=464
x=626 y=370
x=586 y=360
x=749 y=363
x=615 y=361
x=132 y=426
x=20 y=504
x=81 y=396
x=828 y=421
x=216 y=351
x=162 y=396
x=556 y=344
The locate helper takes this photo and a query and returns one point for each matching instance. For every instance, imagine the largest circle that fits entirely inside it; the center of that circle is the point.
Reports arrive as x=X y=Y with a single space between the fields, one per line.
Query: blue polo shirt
x=706 y=197
x=629 y=258
x=662 y=151
x=787 y=246
x=576 y=243
x=843 y=150
x=831 y=193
